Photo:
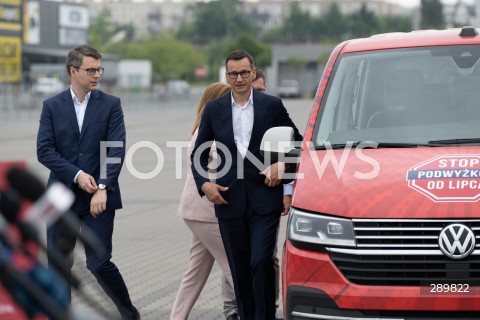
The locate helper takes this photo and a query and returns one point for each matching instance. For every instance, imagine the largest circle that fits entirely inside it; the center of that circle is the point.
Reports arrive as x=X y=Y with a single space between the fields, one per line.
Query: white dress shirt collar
x=75 y=98
x=250 y=99
x=80 y=107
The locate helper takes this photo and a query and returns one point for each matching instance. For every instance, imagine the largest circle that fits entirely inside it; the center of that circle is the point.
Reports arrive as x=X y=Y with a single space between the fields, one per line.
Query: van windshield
x=403 y=96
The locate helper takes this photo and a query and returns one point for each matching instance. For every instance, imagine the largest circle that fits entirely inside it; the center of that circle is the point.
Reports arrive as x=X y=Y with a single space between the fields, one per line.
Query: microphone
x=52 y=204
x=4 y=239
x=9 y=207
x=28 y=289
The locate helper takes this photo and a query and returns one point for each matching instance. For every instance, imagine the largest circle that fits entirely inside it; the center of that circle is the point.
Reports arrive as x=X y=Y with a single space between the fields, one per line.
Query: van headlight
x=320 y=229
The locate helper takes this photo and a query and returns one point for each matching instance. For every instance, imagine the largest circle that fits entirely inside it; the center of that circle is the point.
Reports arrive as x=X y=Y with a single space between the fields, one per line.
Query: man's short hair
x=260 y=74
x=239 y=55
x=75 y=56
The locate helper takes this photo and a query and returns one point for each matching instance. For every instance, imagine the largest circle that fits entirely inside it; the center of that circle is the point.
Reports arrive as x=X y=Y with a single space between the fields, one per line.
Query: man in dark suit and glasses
x=248 y=203
x=73 y=125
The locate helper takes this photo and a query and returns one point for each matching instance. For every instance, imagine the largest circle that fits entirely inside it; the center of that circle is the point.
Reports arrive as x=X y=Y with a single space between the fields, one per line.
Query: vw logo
x=456 y=241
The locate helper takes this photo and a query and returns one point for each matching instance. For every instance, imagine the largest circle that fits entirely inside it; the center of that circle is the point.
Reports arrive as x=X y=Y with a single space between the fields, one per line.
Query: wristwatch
x=102 y=186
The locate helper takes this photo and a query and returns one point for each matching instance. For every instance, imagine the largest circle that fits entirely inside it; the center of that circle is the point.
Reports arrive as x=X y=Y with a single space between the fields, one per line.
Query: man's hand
x=273 y=174
x=86 y=182
x=212 y=193
x=98 y=204
x=287 y=201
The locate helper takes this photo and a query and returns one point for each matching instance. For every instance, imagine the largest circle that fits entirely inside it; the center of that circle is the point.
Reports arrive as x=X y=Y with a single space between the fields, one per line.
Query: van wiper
x=337 y=146
x=455 y=141
x=401 y=145
x=373 y=145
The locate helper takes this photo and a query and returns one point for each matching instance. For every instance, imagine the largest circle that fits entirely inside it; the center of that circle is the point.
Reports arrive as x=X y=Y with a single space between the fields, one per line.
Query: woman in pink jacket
x=207 y=247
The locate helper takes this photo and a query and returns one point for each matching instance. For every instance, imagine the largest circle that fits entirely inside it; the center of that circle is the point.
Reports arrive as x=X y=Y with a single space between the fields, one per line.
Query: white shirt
x=80 y=107
x=242 y=120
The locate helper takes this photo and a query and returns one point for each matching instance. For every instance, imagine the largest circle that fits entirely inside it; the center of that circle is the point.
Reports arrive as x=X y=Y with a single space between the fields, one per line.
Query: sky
x=415 y=3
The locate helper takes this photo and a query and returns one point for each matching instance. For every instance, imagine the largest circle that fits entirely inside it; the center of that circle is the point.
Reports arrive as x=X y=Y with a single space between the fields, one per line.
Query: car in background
x=45 y=86
x=288 y=88
x=177 y=87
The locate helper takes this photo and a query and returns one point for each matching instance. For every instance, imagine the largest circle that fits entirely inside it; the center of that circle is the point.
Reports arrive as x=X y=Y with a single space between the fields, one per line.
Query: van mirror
x=278 y=142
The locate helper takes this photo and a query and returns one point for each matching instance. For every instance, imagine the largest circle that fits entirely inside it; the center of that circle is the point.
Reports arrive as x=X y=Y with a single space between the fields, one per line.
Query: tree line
x=218 y=27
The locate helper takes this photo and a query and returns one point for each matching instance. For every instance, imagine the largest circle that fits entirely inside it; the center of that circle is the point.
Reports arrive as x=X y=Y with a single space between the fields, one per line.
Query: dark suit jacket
x=64 y=150
x=216 y=124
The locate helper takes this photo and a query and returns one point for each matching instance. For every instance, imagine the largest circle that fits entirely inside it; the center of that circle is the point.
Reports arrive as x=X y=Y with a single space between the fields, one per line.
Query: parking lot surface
x=150 y=242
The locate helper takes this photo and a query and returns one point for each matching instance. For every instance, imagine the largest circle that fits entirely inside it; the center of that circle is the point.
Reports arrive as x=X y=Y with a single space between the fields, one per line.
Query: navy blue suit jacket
x=216 y=124
x=63 y=149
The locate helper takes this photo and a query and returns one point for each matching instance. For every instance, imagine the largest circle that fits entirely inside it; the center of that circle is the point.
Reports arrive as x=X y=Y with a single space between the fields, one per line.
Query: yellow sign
x=10 y=59
x=10 y=15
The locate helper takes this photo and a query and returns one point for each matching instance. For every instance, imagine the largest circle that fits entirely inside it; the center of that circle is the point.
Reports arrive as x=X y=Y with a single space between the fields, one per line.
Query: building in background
x=10 y=41
x=300 y=63
x=36 y=35
x=135 y=74
x=272 y=13
x=461 y=14
x=50 y=30
x=149 y=16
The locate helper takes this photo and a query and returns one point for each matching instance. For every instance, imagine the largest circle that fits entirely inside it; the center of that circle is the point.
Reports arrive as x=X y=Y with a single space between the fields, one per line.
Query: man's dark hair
x=260 y=74
x=75 y=56
x=239 y=55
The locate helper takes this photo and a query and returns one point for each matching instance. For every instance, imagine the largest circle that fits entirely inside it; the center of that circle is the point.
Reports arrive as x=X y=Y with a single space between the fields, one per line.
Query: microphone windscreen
x=9 y=206
x=25 y=183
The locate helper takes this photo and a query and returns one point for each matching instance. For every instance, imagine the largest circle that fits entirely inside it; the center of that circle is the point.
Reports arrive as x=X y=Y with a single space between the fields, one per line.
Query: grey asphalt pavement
x=150 y=242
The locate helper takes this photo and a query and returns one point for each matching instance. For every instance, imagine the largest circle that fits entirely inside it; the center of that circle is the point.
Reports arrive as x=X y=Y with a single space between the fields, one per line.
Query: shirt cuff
x=76 y=176
x=288 y=189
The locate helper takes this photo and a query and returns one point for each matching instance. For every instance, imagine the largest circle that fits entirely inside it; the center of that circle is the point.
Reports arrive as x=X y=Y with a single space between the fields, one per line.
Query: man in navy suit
x=74 y=126
x=247 y=194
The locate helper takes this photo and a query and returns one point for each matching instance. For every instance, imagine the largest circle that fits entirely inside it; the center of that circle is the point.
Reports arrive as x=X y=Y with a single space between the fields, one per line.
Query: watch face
x=102 y=186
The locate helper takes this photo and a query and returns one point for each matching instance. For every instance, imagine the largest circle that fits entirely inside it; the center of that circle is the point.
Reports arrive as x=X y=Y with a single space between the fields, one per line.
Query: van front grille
x=405 y=253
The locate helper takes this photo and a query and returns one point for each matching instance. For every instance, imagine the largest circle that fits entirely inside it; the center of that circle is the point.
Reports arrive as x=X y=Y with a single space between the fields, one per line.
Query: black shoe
x=233 y=317
x=134 y=315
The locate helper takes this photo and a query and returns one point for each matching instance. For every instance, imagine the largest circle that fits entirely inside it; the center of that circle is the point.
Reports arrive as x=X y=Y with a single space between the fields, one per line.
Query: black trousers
x=104 y=270
x=249 y=243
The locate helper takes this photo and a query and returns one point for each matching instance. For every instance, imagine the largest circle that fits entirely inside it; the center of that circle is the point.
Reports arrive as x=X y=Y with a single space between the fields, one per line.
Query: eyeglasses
x=92 y=71
x=234 y=75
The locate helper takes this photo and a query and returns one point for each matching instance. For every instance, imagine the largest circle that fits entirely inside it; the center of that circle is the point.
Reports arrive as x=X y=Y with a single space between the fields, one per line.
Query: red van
x=385 y=217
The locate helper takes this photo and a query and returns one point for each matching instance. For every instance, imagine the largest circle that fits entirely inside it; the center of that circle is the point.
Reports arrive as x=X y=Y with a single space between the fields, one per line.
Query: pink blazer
x=192 y=206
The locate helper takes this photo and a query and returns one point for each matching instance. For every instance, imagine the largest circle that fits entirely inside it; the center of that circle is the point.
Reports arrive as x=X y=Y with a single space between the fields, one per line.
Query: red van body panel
x=386 y=194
